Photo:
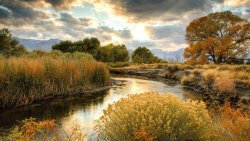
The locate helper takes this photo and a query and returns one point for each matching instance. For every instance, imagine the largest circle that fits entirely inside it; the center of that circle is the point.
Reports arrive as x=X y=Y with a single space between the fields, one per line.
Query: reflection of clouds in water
x=89 y=113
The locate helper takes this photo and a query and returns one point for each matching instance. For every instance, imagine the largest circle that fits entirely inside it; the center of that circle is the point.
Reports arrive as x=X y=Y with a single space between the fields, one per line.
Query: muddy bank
x=79 y=92
x=168 y=73
x=205 y=88
x=151 y=73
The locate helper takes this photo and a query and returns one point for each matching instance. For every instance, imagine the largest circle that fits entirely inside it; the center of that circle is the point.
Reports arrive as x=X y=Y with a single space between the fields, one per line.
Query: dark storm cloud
x=67 y=18
x=20 y=9
x=70 y=20
x=158 y=9
x=61 y=4
x=4 y=13
x=125 y=34
x=18 y=13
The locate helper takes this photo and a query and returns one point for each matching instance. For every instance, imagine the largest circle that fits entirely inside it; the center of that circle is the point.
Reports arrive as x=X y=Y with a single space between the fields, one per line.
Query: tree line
x=107 y=53
x=9 y=46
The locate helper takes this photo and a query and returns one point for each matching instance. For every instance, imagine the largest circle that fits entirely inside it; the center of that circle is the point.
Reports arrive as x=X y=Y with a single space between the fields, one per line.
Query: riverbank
x=86 y=108
x=220 y=83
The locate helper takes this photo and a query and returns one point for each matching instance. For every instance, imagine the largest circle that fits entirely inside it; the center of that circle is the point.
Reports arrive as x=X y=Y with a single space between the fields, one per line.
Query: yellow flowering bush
x=151 y=116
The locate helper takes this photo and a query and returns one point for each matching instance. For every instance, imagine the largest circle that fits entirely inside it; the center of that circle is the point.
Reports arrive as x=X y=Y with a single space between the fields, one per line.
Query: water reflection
x=87 y=108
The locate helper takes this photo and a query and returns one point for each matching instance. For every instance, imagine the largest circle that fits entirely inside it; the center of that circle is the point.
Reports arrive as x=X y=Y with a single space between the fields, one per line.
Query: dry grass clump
x=221 y=81
x=225 y=85
x=32 y=130
x=219 y=84
x=24 y=80
x=230 y=75
x=188 y=80
x=210 y=74
x=151 y=116
x=241 y=75
x=232 y=124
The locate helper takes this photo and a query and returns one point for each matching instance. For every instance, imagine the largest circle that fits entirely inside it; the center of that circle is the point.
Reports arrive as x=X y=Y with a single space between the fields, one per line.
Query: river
x=85 y=109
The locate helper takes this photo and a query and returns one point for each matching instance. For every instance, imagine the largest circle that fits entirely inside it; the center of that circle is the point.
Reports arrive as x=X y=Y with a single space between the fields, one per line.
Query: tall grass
x=24 y=80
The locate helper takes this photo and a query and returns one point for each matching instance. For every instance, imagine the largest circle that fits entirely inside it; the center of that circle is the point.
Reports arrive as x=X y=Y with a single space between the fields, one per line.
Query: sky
x=156 y=24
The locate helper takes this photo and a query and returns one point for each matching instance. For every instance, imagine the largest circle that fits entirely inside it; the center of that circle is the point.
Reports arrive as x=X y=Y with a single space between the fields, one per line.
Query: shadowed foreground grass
x=24 y=80
x=33 y=130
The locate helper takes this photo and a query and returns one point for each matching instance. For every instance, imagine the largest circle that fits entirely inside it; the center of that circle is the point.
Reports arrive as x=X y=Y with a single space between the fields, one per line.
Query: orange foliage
x=31 y=130
x=218 y=37
x=234 y=124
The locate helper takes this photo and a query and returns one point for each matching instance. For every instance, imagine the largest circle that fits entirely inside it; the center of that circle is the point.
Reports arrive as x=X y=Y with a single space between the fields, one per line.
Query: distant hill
x=169 y=55
x=32 y=44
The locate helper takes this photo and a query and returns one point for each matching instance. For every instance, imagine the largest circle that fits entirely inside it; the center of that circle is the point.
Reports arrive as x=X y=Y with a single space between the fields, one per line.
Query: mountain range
x=32 y=44
x=172 y=56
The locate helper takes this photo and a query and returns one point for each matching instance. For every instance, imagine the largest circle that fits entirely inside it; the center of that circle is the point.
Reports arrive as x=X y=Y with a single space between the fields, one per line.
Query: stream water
x=85 y=109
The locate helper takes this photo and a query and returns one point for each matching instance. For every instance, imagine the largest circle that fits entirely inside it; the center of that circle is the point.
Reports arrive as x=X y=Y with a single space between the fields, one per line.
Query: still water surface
x=86 y=109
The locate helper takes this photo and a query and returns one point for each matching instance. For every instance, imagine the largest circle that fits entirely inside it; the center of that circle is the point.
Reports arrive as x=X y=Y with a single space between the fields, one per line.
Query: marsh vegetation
x=24 y=80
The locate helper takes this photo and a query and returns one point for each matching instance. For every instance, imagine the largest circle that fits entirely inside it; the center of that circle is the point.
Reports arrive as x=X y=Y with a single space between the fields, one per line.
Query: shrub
x=151 y=116
x=210 y=75
x=46 y=130
x=118 y=64
x=232 y=124
x=169 y=74
x=225 y=85
x=187 y=80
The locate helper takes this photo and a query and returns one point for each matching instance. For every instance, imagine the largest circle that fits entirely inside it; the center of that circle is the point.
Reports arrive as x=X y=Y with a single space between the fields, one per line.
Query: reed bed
x=24 y=80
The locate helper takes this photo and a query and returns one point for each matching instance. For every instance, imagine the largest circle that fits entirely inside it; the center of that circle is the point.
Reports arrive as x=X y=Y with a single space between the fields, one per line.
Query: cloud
x=106 y=33
x=57 y=4
x=161 y=10
x=18 y=13
x=62 y=4
x=236 y=3
x=171 y=32
x=155 y=44
x=135 y=43
x=4 y=12
x=154 y=23
x=71 y=21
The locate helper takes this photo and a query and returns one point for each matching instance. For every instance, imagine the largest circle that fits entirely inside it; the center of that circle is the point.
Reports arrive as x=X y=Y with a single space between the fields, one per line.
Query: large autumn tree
x=219 y=37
